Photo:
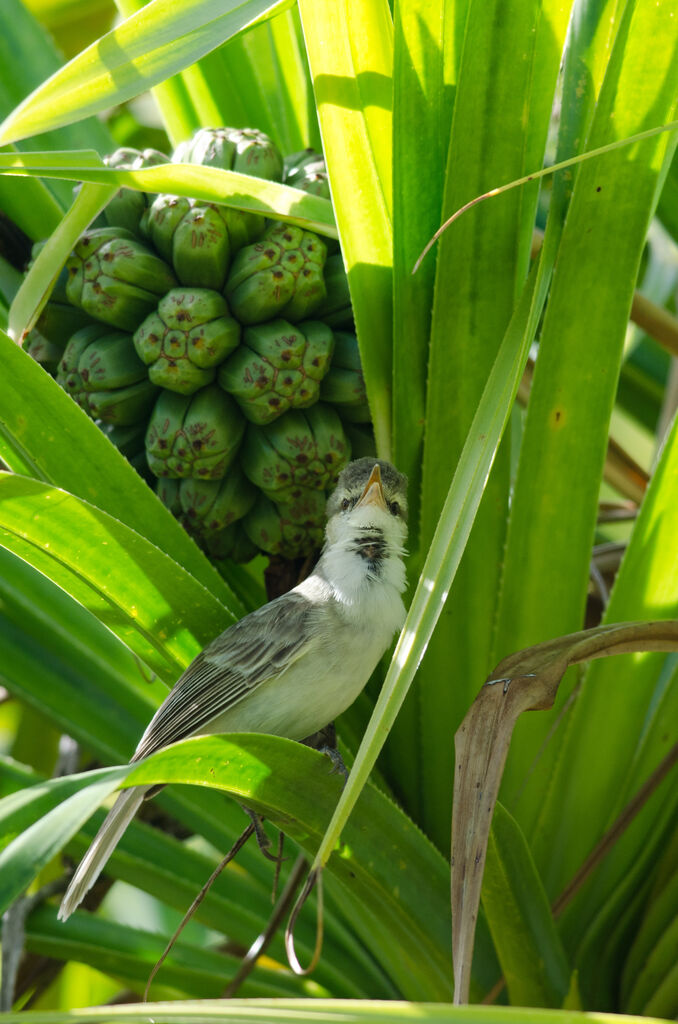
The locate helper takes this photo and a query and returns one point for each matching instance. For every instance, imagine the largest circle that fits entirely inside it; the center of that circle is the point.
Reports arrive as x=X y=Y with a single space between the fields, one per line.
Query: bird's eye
x=345 y=504
x=394 y=508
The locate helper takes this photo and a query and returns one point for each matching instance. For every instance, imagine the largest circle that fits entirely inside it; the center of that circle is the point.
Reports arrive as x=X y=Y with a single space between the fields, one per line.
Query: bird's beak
x=374 y=492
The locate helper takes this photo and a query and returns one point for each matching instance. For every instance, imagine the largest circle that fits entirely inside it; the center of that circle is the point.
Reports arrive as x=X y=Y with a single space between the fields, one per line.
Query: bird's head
x=367 y=515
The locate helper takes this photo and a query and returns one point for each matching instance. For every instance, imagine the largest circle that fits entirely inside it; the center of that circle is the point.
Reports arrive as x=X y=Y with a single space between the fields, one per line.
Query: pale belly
x=310 y=693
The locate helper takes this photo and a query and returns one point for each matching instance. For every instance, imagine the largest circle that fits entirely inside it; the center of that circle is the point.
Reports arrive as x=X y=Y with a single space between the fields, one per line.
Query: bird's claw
x=263 y=842
x=338 y=766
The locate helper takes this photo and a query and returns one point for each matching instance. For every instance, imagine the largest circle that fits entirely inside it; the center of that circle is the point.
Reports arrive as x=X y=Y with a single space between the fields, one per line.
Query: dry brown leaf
x=525 y=681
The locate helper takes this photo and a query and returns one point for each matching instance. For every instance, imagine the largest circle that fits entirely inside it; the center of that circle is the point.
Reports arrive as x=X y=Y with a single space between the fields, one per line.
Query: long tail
x=101 y=848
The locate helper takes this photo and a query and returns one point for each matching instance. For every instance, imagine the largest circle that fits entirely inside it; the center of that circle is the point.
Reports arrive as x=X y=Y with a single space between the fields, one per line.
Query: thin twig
x=237 y=846
x=263 y=941
x=278 y=864
x=616 y=830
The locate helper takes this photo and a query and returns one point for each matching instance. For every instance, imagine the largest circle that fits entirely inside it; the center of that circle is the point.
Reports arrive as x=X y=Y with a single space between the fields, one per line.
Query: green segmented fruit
x=42 y=350
x=231 y=543
x=103 y=373
x=344 y=384
x=193 y=435
x=210 y=511
x=167 y=489
x=212 y=505
x=281 y=275
x=288 y=529
x=306 y=170
x=110 y=362
x=199 y=239
x=123 y=406
x=299 y=450
x=115 y=278
x=336 y=309
x=186 y=338
x=68 y=372
x=128 y=206
x=278 y=367
x=59 y=319
x=294 y=163
x=245 y=150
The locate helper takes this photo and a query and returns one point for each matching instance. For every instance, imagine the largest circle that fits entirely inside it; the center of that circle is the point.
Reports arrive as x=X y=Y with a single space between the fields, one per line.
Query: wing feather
x=241 y=658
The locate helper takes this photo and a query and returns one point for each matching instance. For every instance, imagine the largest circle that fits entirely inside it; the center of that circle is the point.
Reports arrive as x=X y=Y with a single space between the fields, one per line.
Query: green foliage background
x=104 y=599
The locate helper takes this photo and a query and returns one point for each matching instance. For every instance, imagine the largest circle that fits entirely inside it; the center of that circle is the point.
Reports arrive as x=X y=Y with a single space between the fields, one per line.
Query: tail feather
x=101 y=848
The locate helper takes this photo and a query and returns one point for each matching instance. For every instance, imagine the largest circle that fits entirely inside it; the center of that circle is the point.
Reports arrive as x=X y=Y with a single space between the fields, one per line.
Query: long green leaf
x=61 y=807
x=444 y=554
x=39 y=282
x=427 y=44
x=158 y=609
x=350 y=52
x=260 y=78
x=210 y=184
x=659 y=916
x=64 y=663
x=129 y=954
x=548 y=553
x=598 y=781
x=501 y=115
x=31 y=206
x=159 y=40
x=171 y=96
x=530 y=952
x=237 y=907
x=317 y=1011
x=27 y=57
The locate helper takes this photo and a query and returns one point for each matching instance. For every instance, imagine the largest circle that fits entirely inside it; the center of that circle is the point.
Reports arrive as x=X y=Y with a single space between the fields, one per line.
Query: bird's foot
x=263 y=842
x=338 y=766
x=325 y=742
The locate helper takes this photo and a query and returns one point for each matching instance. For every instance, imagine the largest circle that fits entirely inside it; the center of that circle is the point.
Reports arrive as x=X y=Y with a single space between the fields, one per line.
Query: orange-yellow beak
x=374 y=492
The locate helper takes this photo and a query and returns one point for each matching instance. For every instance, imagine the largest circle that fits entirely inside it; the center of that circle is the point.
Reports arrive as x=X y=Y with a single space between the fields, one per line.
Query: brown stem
x=263 y=941
x=237 y=846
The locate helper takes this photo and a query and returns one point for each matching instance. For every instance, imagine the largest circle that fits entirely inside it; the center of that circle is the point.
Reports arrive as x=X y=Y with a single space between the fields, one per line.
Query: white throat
x=358 y=581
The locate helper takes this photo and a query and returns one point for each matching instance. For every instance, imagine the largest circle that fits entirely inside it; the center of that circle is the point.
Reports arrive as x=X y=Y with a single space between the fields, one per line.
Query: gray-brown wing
x=245 y=655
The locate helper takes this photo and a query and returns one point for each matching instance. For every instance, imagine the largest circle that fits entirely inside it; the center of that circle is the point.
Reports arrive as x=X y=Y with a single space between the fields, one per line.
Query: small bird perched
x=296 y=663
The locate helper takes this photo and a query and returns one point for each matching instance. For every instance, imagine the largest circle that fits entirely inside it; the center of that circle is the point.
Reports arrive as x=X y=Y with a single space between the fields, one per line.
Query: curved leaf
x=211 y=184
x=129 y=955
x=157 y=608
x=521 y=924
x=157 y=41
x=61 y=807
x=404 y=884
x=237 y=905
x=59 y=659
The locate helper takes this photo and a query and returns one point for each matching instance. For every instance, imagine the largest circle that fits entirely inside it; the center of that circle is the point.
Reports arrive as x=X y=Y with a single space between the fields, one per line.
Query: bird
x=293 y=665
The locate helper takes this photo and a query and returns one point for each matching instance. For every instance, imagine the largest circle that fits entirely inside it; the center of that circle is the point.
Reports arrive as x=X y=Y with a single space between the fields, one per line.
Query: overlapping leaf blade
x=350 y=52
x=547 y=558
x=261 y=771
x=146 y=48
